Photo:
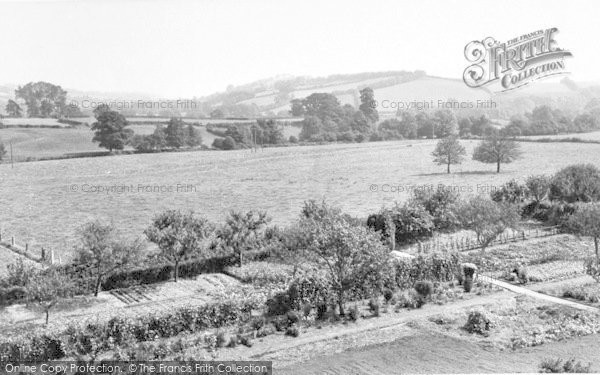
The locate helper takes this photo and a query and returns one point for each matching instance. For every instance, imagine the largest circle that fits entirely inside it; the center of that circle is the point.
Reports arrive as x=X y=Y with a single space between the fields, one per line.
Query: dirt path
x=534 y=294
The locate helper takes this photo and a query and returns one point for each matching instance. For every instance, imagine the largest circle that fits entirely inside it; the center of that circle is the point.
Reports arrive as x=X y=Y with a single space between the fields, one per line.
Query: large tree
x=488 y=219
x=13 y=109
x=576 y=183
x=175 y=133
x=111 y=130
x=241 y=231
x=43 y=99
x=497 y=149
x=104 y=252
x=347 y=252
x=179 y=236
x=368 y=105
x=449 y=151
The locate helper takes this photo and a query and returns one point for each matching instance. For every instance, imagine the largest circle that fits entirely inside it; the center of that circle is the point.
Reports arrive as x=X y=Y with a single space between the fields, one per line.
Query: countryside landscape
x=339 y=220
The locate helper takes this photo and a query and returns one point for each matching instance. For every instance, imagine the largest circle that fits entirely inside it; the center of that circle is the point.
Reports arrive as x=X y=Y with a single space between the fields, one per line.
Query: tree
x=217 y=113
x=297 y=108
x=13 y=109
x=444 y=123
x=175 y=133
x=464 y=127
x=103 y=250
x=449 y=151
x=368 y=104
x=2 y=151
x=311 y=126
x=111 y=130
x=241 y=231
x=497 y=149
x=43 y=99
x=538 y=187
x=178 y=236
x=346 y=251
x=228 y=143
x=585 y=221
x=576 y=183
x=46 y=288
x=487 y=218
x=193 y=137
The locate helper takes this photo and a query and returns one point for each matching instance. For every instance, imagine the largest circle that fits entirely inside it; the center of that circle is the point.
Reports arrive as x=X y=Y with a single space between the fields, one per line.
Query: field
x=593 y=136
x=44 y=202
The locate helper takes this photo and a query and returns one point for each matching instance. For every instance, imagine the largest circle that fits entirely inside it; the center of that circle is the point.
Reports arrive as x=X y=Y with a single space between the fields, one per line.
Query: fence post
x=43 y=253
x=12 y=241
x=26 y=247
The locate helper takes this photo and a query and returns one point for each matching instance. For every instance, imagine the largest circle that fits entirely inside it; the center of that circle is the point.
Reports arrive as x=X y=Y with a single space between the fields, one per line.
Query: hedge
x=85 y=339
x=437 y=267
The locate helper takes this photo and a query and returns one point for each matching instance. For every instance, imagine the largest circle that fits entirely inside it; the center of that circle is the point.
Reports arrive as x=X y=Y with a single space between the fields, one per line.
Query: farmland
x=44 y=202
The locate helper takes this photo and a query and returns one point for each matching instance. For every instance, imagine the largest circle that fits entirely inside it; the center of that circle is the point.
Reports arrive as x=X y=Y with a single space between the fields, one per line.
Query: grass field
x=44 y=202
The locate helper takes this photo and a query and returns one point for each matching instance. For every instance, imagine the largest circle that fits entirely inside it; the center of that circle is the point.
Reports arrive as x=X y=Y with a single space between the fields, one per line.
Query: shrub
x=523 y=275
x=410 y=300
x=306 y=310
x=511 y=192
x=468 y=284
x=221 y=339
x=292 y=331
x=353 y=313
x=245 y=340
x=374 y=306
x=478 y=322
x=279 y=304
x=557 y=366
x=438 y=267
x=292 y=318
x=439 y=204
x=321 y=311
x=293 y=139
x=592 y=268
x=424 y=288
x=267 y=330
x=469 y=269
x=388 y=294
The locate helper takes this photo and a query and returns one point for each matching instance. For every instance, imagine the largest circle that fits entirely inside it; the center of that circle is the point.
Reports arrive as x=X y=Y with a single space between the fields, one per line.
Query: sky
x=184 y=48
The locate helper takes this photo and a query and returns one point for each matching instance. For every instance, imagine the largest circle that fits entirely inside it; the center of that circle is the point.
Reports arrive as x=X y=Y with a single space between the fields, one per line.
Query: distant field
x=43 y=202
x=45 y=142
x=593 y=136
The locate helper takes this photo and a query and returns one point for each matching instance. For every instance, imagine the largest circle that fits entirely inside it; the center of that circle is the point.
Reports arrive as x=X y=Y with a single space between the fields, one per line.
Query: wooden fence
x=43 y=256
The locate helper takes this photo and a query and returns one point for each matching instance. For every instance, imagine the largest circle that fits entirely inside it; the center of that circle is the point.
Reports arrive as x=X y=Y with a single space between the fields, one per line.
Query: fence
x=468 y=243
x=45 y=255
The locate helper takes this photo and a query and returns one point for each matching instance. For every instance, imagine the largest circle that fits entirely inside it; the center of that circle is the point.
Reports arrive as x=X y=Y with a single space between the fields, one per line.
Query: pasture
x=45 y=202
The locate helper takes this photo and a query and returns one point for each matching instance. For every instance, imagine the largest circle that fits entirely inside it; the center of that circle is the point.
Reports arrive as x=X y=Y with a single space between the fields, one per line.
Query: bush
x=388 y=294
x=592 y=268
x=479 y=323
x=439 y=204
x=523 y=275
x=353 y=313
x=306 y=310
x=437 y=267
x=511 y=192
x=468 y=284
x=46 y=346
x=410 y=300
x=321 y=311
x=570 y=366
x=293 y=139
x=267 y=330
x=374 y=306
x=279 y=304
x=292 y=318
x=424 y=288
x=292 y=331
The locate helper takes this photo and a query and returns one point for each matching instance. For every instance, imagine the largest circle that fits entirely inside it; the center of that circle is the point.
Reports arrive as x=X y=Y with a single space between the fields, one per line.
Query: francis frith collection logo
x=514 y=63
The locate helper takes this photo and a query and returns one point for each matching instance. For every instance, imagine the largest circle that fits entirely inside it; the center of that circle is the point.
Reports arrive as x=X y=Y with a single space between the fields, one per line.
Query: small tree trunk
x=241 y=258
x=498 y=167
x=98 y=285
x=47 y=315
x=596 y=246
x=448 y=168
x=341 y=302
x=176 y=271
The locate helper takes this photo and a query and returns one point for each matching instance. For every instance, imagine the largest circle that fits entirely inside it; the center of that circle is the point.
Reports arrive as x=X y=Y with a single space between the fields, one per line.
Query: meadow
x=45 y=202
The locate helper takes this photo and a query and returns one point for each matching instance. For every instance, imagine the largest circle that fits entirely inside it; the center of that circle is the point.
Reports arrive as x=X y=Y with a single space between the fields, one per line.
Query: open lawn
x=44 y=202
